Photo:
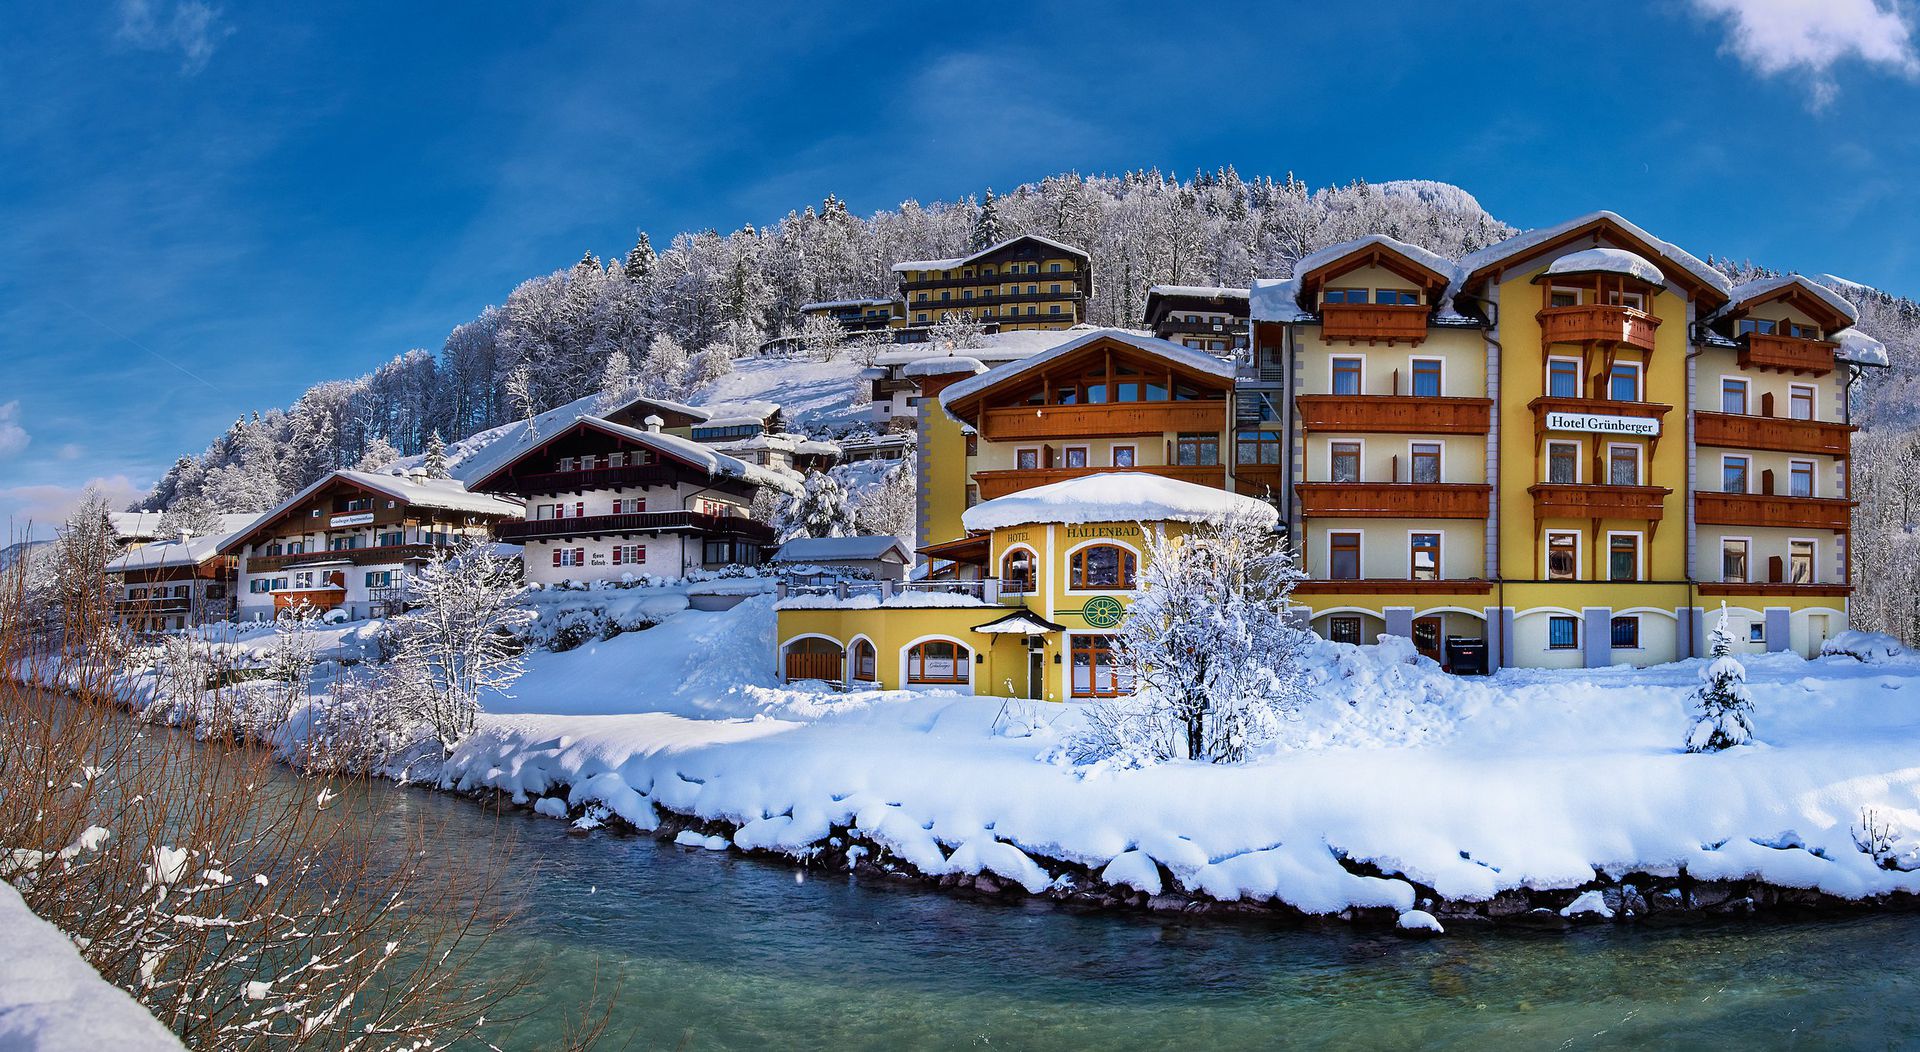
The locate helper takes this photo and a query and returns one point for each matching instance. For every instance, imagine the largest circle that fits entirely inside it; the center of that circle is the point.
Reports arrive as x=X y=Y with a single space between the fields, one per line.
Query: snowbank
x=53 y=1001
x=1608 y=260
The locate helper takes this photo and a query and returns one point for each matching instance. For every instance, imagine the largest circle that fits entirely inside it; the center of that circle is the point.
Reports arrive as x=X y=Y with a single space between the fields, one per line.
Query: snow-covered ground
x=53 y=1001
x=1530 y=779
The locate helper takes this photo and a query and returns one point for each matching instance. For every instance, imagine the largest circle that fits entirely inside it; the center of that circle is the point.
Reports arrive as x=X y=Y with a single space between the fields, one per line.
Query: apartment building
x=877 y=314
x=1205 y=318
x=172 y=585
x=350 y=540
x=1027 y=282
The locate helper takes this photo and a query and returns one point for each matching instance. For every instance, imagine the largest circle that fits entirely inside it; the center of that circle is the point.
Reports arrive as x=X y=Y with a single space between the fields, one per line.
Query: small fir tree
x=1725 y=706
x=986 y=224
x=820 y=509
x=436 y=457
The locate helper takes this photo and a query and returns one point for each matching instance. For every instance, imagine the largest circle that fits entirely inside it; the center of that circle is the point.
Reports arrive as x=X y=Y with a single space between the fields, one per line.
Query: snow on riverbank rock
x=53 y=1001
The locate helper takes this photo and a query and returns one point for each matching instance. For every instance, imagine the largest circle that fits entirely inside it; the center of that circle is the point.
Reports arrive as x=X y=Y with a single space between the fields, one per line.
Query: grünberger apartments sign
x=1632 y=426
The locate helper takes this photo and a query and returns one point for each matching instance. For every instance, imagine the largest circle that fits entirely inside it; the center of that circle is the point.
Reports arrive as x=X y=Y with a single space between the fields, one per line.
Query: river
x=710 y=950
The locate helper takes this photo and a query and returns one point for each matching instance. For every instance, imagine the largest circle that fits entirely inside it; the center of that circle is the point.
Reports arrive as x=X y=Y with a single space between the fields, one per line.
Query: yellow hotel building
x=1566 y=450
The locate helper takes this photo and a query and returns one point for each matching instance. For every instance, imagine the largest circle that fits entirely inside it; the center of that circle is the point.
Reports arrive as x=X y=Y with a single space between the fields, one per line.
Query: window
x=1346 y=376
x=358 y=504
x=1623 y=557
x=1626 y=633
x=1733 y=395
x=1425 y=557
x=1733 y=474
x=1800 y=402
x=1424 y=459
x=1623 y=465
x=261 y=585
x=1563 y=633
x=1344 y=296
x=1026 y=459
x=569 y=557
x=379 y=578
x=390 y=538
x=937 y=661
x=1076 y=456
x=1016 y=571
x=1426 y=377
x=1345 y=462
x=1343 y=556
x=1563 y=556
x=1800 y=562
x=1803 y=332
x=1103 y=566
x=1096 y=672
x=1345 y=629
x=1563 y=463
x=865 y=663
x=1123 y=456
x=1800 y=478
x=1197 y=449
x=629 y=505
x=1627 y=299
x=1563 y=378
x=1757 y=325
x=1396 y=297
x=1733 y=559
x=973 y=444
x=629 y=555
x=1623 y=383
x=1756 y=632
x=1258 y=447
x=1563 y=298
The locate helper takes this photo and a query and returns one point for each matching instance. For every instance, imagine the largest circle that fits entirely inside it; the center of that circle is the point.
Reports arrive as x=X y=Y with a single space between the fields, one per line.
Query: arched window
x=1016 y=571
x=1103 y=566
x=864 y=661
x=937 y=661
x=813 y=658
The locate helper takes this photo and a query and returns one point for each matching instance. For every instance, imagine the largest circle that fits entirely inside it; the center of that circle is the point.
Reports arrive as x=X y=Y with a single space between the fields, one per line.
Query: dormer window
x=1762 y=326
x=1396 y=297
x=1344 y=296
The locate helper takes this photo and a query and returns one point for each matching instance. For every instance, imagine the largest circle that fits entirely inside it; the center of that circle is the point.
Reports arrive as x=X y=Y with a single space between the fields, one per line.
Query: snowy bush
x=1725 y=706
x=1215 y=663
x=1877 y=839
x=360 y=725
x=821 y=509
x=1868 y=647
x=461 y=638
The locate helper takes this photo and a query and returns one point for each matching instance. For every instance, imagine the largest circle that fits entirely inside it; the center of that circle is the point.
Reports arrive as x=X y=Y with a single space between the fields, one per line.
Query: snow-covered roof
x=135 y=525
x=837 y=549
x=1859 y=348
x=993 y=347
x=682 y=408
x=1610 y=261
x=700 y=455
x=734 y=421
x=755 y=409
x=1021 y=622
x=1278 y=299
x=878 y=301
x=416 y=491
x=1759 y=288
x=1202 y=291
x=1521 y=243
x=961 y=261
x=944 y=365
x=1115 y=496
x=1197 y=361
x=171 y=554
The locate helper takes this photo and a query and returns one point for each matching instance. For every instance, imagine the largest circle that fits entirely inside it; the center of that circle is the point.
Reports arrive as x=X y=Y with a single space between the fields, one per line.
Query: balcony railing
x=1393 y=586
x=1598 y=323
x=1781 y=435
x=1554 y=500
x=377 y=554
x=1043 y=296
x=640 y=522
x=1786 y=353
x=1000 y=483
x=1179 y=327
x=1756 y=509
x=1393 y=500
x=978 y=279
x=1008 y=423
x=556 y=482
x=1395 y=414
x=1374 y=322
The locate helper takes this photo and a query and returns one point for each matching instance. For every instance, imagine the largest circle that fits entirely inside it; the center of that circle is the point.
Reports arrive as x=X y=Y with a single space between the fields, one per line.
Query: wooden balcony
x=1758 y=509
x=374 y=555
x=1112 y=419
x=1781 y=435
x=1729 y=589
x=1597 y=323
x=553 y=483
x=1000 y=483
x=639 y=522
x=1374 y=322
x=1787 y=354
x=1581 y=501
x=1395 y=414
x=1393 y=500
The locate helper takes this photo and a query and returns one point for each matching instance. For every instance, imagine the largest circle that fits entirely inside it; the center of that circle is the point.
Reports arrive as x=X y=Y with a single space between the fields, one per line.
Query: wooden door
x=1427 y=639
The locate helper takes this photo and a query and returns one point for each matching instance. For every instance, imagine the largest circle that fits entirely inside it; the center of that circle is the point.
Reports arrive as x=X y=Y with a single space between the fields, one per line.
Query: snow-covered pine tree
x=822 y=337
x=616 y=378
x=1725 y=706
x=380 y=453
x=986 y=225
x=820 y=509
x=435 y=457
x=1207 y=646
x=664 y=373
x=891 y=507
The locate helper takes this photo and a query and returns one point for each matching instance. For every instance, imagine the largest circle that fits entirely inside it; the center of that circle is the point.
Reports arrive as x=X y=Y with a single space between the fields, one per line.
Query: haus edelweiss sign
x=1637 y=426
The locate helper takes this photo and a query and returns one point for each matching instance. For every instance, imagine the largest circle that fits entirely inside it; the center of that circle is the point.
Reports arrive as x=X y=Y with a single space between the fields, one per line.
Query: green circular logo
x=1103 y=611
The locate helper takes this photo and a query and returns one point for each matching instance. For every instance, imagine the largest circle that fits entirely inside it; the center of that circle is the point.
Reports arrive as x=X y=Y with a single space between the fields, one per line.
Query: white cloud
x=13 y=437
x=46 y=507
x=190 y=27
x=1814 y=37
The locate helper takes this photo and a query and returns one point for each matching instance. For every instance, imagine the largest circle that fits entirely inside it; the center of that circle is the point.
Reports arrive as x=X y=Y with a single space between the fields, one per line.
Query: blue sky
x=204 y=209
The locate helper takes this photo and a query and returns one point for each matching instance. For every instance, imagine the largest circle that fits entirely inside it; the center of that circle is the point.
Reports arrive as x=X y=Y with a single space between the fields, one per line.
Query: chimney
x=184 y=534
x=654 y=423
x=417 y=474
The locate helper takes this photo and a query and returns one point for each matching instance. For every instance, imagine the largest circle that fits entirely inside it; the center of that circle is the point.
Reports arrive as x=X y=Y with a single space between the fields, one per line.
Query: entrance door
x=1426 y=637
x=1036 y=673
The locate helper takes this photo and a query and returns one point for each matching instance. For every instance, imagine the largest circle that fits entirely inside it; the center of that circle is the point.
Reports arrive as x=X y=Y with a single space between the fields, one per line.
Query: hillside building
x=173 y=585
x=1204 y=318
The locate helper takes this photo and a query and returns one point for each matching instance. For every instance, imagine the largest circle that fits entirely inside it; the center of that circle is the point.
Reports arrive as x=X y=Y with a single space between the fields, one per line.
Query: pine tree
x=640 y=260
x=436 y=457
x=821 y=509
x=1725 y=706
x=616 y=378
x=986 y=225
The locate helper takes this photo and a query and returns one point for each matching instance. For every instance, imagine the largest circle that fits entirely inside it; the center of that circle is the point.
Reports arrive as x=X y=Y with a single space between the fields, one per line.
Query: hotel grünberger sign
x=1631 y=426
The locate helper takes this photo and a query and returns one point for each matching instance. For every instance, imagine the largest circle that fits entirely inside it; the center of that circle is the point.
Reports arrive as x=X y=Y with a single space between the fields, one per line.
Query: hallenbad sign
x=1636 y=426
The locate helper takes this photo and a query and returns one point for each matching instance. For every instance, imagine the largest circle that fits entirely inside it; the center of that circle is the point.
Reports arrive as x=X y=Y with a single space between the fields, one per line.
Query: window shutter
x=640 y=554
x=616 y=555
x=579 y=509
x=556 y=557
x=579 y=557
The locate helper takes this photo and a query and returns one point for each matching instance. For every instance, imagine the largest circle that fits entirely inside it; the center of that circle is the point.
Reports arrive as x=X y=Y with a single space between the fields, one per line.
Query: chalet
x=349 y=541
x=1205 y=318
x=876 y=314
x=168 y=586
x=603 y=500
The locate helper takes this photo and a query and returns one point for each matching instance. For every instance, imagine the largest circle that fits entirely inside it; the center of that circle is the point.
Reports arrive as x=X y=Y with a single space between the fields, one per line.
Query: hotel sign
x=364 y=518
x=1630 y=426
